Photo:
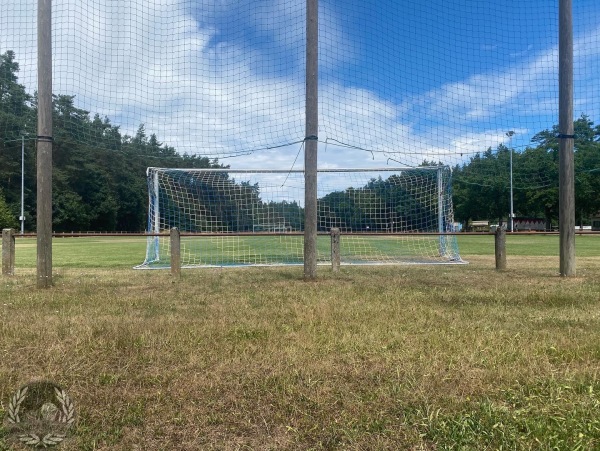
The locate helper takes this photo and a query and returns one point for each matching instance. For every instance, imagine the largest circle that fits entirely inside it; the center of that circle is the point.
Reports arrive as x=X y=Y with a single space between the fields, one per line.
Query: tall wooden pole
x=311 y=140
x=44 y=146
x=566 y=183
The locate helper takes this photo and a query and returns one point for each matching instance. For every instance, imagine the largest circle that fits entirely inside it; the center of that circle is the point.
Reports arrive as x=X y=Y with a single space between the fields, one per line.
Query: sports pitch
x=127 y=252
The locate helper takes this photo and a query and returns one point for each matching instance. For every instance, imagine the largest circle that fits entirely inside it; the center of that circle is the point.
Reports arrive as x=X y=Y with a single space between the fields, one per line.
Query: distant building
x=596 y=222
x=529 y=224
x=479 y=226
x=458 y=227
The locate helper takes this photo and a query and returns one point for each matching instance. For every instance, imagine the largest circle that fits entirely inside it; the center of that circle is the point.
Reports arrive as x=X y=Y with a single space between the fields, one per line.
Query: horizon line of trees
x=214 y=202
x=98 y=182
x=481 y=186
x=99 y=173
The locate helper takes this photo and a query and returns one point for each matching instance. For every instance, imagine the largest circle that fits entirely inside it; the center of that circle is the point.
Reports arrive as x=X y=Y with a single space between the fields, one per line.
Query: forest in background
x=99 y=182
x=481 y=186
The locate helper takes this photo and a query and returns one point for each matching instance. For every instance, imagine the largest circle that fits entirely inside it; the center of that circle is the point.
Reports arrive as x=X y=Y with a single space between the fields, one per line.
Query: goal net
x=248 y=217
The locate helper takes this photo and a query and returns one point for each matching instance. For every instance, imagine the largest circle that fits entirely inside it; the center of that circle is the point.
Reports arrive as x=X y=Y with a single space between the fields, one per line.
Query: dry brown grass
x=372 y=358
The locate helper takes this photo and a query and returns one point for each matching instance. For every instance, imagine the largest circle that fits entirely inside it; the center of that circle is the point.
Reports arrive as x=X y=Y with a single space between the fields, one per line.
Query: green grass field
x=371 y=358
x=127 y=252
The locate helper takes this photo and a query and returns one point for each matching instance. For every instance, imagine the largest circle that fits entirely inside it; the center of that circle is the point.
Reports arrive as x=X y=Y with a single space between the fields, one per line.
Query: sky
x=399 y=81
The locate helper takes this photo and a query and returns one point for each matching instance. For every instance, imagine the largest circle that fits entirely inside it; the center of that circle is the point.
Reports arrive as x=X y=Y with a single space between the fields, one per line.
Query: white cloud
x=164 y=64
x=522 y=53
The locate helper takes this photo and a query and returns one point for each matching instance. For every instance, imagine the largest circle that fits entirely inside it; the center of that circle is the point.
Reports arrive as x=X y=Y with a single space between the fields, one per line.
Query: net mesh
x=257 y=218
x=400 y=83
x=410 y=80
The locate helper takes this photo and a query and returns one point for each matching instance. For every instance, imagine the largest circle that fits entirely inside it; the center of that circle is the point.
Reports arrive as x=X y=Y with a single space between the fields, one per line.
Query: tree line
x=481 y=185
x=215 y=202
x=99 y=173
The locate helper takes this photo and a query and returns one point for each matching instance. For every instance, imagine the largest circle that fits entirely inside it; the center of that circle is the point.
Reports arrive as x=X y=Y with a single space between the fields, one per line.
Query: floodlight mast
x=512 y=213
x=22 y=217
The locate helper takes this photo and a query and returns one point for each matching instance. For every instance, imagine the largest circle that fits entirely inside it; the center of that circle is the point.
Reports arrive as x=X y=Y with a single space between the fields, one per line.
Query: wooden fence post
x=335 y=249
x=175 y=241
x=500 y=247
x=8 y=252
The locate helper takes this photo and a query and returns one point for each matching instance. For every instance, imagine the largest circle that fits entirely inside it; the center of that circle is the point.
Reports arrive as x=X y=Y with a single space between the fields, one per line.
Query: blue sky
x=438 y=41
x=401 y=80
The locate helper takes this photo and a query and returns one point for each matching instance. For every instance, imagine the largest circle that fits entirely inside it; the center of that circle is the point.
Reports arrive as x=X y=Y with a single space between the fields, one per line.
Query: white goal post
x=230 y=217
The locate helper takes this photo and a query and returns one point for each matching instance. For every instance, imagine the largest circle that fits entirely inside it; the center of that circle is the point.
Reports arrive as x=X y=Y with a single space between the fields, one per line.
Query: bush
x=7 y=218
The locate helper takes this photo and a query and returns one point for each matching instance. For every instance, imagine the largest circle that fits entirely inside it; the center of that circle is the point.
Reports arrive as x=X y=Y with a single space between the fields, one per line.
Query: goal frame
x=154 y=225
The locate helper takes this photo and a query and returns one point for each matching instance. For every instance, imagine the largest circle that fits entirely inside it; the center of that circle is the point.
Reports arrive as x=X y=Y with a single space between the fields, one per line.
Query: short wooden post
x=8 y=252
x=500 y=247
x=335 y=249
x=175 y=241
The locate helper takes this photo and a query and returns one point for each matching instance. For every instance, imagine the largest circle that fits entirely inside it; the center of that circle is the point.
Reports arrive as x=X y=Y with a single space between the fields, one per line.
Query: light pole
x=512 y=214
x=22 y=217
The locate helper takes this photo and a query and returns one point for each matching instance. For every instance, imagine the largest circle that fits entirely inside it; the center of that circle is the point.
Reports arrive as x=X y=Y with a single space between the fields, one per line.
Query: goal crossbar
x=295 y=171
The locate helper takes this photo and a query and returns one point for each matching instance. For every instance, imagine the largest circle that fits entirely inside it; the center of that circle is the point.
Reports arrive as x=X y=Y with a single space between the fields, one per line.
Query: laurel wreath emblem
x=65 y=415
x=15 y=405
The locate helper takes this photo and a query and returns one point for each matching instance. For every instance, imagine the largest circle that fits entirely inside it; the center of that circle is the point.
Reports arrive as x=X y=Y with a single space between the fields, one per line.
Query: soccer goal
x=232 y=217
